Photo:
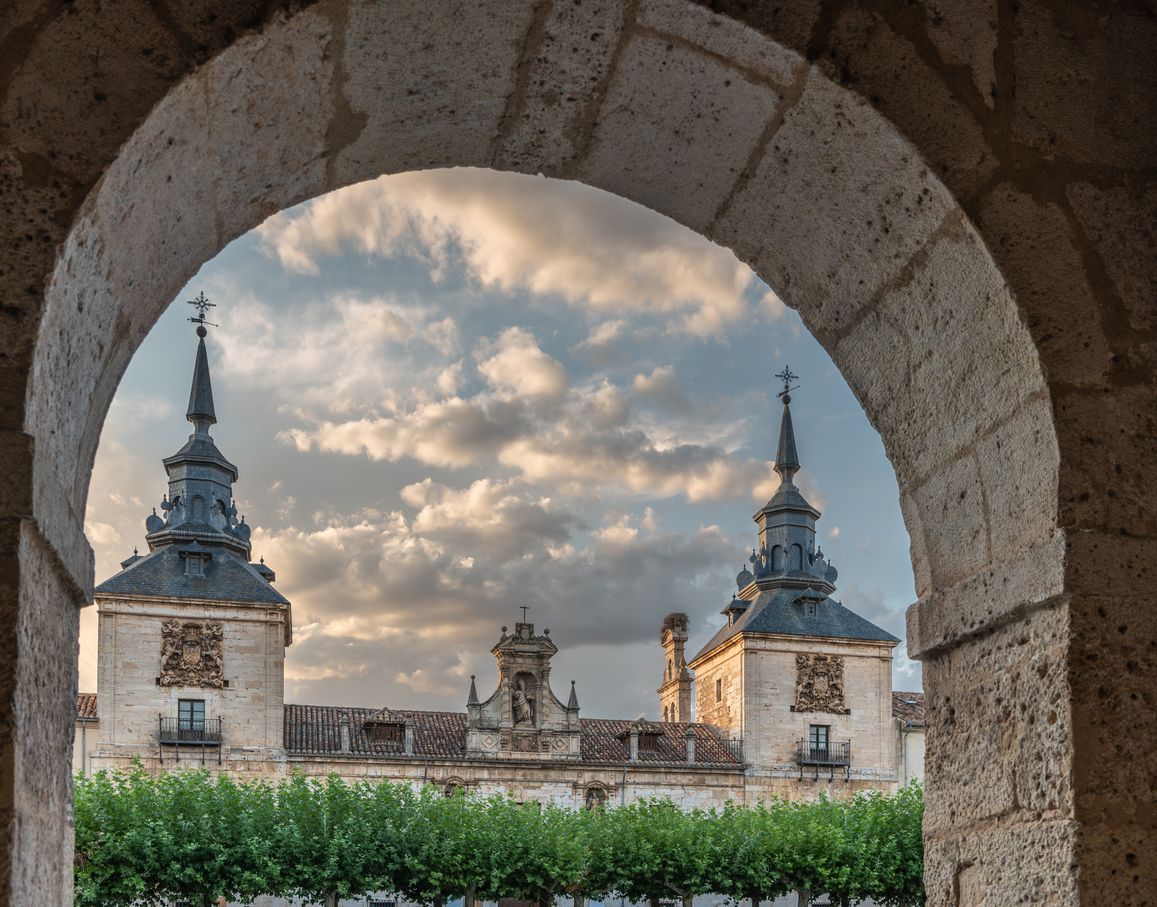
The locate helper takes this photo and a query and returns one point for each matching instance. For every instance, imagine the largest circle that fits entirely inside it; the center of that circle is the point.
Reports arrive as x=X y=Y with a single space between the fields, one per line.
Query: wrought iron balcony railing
x=194 y=732
x=835 y=752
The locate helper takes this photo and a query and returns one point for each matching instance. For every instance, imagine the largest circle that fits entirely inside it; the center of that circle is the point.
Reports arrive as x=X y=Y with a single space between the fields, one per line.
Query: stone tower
x=192 y=635
x=803 y=682
x=523 y=719
x=675 y=689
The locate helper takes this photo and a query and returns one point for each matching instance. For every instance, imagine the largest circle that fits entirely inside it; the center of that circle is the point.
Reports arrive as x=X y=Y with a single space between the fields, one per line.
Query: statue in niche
x=819 y=685
x=191 y=654
x=522 y=703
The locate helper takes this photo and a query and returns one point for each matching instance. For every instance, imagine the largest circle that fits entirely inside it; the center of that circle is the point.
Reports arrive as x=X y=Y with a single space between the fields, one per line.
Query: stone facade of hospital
x=791 y=696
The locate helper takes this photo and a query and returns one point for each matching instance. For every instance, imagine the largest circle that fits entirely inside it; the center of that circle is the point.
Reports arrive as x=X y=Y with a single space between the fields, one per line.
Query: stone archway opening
x=726 y=132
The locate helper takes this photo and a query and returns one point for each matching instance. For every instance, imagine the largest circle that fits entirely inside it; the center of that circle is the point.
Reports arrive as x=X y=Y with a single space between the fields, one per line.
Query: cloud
x=662 y=388
x=515 y=364
x=512 y=232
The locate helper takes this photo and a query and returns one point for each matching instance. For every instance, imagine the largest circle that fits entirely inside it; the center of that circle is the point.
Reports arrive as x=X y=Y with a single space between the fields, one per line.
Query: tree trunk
x=468 y=897
x=805 y=897
x=689 y=900
x=579 y=900
x=331 y=899
x=654 y=900
x=439 y=901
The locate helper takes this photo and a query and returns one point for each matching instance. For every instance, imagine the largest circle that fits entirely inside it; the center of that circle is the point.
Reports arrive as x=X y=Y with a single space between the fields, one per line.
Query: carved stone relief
x=819 y=683
x=191 y=654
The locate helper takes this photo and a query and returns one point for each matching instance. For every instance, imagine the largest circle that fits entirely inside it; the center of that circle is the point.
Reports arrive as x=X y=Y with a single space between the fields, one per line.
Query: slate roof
x=161 y=573
x=316 y=730
x=774 y=612
x=908 y=707
x=86 y=707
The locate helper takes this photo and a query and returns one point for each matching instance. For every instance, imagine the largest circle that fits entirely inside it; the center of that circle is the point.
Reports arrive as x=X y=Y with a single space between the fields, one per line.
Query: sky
x=454 y=393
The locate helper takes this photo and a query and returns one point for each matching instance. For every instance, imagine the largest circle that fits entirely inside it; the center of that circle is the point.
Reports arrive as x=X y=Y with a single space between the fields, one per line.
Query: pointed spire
x=472 y=699
x=201 y=412
x=572 y=703
x=786 y=457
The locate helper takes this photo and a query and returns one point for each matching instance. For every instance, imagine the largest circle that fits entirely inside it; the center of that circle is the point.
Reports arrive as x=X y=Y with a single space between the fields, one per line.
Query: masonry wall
x=130 y=700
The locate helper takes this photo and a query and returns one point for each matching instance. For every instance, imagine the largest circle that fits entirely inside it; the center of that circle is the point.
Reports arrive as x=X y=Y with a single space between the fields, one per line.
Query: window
x=194 y=566
x=191 y=714
x=718 y=690
x=809 y=608
x=818 y=740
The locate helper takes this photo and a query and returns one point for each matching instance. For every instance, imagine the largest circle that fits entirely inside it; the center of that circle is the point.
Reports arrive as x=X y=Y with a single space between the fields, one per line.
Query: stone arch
x=742 y=139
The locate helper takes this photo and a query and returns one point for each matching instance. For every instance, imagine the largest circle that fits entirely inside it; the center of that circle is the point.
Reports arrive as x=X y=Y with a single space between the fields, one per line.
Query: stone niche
x=819 y=683
x=191 y=654
x=523 y=719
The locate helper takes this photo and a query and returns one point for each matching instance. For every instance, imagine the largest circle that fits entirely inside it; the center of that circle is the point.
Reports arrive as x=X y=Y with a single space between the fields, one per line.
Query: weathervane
x=787 y=378
x=202 y=305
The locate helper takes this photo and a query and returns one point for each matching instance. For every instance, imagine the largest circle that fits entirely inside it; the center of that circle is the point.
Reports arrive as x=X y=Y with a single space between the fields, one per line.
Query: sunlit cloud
x=512 y=232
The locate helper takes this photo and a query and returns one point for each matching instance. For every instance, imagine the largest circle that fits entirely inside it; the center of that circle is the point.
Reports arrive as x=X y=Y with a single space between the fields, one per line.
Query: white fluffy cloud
x=512 y=232
x=515 y=364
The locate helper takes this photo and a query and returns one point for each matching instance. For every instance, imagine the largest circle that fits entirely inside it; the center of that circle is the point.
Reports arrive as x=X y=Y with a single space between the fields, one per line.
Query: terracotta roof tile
x=908 y=707
x=316 y=729
x=86 y=707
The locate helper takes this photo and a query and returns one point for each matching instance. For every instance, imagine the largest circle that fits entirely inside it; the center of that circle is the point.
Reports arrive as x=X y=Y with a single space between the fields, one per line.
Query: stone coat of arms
x=191 y=654
x=819 y=683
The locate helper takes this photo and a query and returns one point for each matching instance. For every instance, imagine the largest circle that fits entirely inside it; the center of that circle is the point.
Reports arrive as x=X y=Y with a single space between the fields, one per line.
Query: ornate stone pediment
x=191 y=654
x=819 y=683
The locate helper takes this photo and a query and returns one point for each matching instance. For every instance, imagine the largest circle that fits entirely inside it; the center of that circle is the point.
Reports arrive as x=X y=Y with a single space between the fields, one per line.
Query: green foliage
x=141 y=840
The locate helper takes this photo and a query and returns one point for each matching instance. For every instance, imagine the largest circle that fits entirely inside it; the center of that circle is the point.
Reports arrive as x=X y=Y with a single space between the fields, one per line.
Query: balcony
x=179 y=732
x=833 y=755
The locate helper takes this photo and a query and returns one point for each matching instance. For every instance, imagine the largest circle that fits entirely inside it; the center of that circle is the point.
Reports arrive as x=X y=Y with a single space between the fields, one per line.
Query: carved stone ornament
x=191 y=654
x=819 y=683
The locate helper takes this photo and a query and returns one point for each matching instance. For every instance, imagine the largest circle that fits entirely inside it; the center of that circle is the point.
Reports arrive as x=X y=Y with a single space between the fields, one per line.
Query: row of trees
x=143 y=840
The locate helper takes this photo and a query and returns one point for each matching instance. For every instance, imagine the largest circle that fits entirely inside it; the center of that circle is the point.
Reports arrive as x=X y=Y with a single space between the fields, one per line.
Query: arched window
x=796 y=558
x=670 y=669
x=777 y=558
x=454 y=787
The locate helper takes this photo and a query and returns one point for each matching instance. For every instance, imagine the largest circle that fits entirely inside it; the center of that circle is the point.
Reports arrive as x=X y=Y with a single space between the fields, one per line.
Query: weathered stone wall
x=958 y=199
x=131 y=698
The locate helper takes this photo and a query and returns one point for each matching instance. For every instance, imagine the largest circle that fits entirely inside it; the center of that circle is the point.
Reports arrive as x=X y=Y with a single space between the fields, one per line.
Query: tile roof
x=86 y=707
x=775 y=612
x=161 y=573
x=316 y=730
x=908 y=707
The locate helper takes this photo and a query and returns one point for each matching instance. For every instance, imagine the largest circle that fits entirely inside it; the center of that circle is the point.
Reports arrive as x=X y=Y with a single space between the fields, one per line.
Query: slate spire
x=201 y=412
x=786 y=457
x=572 y=703
x=472 y=698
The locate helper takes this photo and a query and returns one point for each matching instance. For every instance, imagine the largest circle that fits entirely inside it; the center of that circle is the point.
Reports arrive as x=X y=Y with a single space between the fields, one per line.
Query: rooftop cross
x=202 y=306
x=787 y=378
x=525 y=608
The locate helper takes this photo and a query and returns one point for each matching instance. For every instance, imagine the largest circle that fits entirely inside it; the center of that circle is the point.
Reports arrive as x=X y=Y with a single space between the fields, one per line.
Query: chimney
x=408 y=746
x=344 y=735
x=690 y=744
x=634 y=743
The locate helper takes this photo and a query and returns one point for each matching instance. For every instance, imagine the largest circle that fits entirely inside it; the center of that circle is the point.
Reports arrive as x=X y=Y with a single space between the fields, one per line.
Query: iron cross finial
x=202 y=305
x=525 y=608
x=787 y=377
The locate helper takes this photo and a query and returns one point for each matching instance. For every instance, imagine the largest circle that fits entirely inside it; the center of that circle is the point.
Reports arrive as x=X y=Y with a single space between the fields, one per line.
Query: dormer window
x=810 y=609
x=194 y=566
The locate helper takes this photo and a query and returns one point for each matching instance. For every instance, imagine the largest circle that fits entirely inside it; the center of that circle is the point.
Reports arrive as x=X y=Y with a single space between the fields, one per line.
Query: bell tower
x=675 y=689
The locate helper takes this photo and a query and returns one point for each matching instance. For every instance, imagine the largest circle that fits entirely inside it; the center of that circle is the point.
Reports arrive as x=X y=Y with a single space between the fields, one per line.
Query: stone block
x=999 y=731
x=1019 y=461
x=1037 y=252
x=758 y=55
x=959 y=360
x=676 y=129
x=1068 y=106
x=75 y=110
x=1121 y=222
x=836 y=208
x=558 y=95
x=952 y=510
x=867 y=53
x=265 y=161
x=988 y=598
x=424 y=86
x=1108 y=442
x=964 y=33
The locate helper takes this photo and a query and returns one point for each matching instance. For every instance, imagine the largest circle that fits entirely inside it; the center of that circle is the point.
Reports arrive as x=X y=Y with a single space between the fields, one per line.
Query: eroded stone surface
x=670 y=110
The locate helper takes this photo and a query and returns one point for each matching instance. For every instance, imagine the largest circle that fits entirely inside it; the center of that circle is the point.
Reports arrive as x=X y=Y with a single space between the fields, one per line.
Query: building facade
x=791 y=696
